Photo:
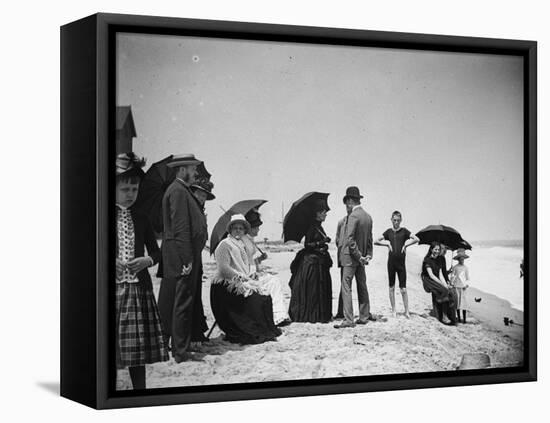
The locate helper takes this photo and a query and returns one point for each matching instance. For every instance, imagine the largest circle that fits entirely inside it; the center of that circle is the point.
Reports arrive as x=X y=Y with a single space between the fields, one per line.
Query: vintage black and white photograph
x=294 y=211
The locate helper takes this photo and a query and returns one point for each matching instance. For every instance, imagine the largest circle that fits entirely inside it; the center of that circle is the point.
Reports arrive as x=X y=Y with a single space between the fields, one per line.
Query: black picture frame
x=87 y=116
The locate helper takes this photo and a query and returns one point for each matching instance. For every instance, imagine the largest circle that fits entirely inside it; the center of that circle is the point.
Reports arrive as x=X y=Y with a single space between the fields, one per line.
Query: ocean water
x=496 y=269
x=494 y=266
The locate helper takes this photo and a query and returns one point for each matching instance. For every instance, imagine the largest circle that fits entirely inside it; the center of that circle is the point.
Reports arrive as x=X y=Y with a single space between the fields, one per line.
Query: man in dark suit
x=202 y=190
x=354 y=253
x=184 y=238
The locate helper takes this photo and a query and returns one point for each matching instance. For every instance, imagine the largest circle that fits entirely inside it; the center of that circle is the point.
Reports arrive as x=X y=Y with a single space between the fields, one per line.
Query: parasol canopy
x=153 y=186
x=443 y=234
x=465 y=244
x=301 y=215
x=219 y=232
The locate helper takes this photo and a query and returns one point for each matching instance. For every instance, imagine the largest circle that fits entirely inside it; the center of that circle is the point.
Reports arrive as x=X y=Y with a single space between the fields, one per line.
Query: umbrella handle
x=321 y=233
x=211 y=329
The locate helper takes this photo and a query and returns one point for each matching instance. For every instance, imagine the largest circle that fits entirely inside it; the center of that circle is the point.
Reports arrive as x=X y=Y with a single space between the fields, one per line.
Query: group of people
x=247 y=302
x=448 y=288
x=311 y=286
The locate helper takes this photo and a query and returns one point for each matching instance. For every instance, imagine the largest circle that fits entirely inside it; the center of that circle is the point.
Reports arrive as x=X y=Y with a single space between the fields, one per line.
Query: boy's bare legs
x=392 y=301
x=405 y=302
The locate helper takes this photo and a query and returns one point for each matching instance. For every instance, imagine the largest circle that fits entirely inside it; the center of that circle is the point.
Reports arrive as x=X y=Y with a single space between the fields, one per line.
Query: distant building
x=125 y=129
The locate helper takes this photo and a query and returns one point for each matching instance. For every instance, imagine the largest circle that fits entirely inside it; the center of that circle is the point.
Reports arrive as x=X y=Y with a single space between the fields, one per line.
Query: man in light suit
x=184 y=237
x=339 y=239
x=354 y=253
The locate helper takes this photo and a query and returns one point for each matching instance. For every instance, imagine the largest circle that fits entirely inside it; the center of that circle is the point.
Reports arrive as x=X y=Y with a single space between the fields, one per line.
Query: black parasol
x=301 y=215
x=153 y=186
x=242 y=207
x=443 y=234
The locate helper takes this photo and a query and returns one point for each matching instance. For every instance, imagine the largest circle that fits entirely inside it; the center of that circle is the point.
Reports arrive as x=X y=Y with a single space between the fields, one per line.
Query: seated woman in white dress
x=268 y=284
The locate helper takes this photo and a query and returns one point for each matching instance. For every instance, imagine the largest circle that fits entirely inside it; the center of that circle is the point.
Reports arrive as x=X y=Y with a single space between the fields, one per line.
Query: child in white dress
x=460 y=279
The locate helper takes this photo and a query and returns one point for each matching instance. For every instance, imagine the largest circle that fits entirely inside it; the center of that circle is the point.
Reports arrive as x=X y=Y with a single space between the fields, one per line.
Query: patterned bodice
x=126 y=243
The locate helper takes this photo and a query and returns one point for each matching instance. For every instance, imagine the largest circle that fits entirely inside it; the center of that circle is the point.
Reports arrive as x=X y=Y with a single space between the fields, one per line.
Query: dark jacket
x=185 y=231
x=316 y=243
x=443 y=264
x=144 y=239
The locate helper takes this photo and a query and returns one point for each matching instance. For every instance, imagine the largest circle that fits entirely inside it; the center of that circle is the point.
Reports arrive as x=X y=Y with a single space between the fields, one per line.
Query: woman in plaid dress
x=138 y=329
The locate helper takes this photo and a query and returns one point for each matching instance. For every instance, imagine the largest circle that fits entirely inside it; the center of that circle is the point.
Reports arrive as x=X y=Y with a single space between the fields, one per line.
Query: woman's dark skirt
x=444 y=298
x=244 y=320
x=311 y=290
x=440 y=292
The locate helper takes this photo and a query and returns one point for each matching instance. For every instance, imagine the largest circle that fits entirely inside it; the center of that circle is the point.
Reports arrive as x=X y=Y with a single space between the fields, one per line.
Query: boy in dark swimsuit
x=397 y=239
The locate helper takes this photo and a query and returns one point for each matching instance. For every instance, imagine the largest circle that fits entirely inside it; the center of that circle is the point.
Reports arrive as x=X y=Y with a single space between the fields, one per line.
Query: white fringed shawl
x=233 y=267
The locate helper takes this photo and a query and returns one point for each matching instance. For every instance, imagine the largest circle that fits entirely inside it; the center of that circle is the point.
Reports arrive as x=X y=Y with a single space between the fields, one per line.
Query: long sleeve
x=338 y=230
x=251 y=248
x=353 y=223
x=233 y=280
x=311 y=238
x=179 y=214
x=223 y=260
x=153 y=249
x=316 y=238
x=369 y=240
x=444 y=269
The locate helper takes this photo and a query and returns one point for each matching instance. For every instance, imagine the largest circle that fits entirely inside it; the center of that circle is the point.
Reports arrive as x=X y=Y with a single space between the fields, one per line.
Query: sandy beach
x=390 y=345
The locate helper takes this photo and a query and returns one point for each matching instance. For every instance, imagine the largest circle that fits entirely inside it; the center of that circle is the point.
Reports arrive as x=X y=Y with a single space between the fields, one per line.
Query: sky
x=435 y=135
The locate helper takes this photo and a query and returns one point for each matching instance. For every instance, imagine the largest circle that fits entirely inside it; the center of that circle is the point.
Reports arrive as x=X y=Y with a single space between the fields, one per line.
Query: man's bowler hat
x=352 y=192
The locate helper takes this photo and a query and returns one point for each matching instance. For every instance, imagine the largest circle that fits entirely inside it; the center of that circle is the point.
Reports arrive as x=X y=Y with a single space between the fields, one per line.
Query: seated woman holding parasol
x=241 y=311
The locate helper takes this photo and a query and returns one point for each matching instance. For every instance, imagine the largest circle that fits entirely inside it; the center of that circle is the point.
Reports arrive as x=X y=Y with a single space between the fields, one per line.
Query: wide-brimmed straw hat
x=183 y=160
x=205 y=186
x=128 y=164
x=461 y=254
x=352 y=192
x=238 y=218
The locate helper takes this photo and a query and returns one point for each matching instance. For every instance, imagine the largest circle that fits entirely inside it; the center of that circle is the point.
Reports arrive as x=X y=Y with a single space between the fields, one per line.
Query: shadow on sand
x=218 y=346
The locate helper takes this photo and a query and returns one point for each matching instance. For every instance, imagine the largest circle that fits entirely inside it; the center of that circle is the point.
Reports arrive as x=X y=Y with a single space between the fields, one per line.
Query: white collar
x=236 y=240
x=183 y=182
x=355 y=207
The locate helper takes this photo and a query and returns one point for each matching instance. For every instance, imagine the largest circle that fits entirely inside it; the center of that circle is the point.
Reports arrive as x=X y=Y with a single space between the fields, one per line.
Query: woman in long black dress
x=310 y=283
x=242 y=313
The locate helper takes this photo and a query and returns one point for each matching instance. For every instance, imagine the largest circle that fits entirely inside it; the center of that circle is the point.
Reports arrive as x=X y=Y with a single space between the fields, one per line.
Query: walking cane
x=211 y=329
